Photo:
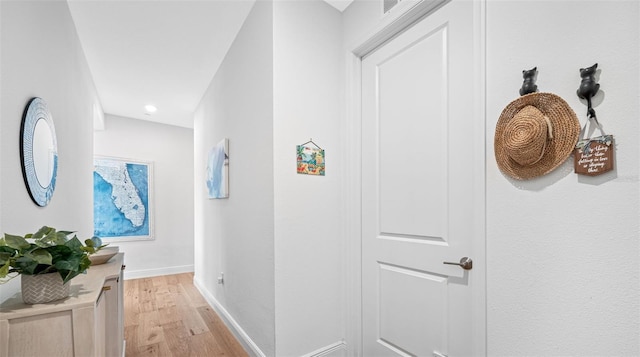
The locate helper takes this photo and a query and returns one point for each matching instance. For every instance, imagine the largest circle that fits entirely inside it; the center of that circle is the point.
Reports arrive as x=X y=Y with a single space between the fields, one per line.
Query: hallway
x=555 y=257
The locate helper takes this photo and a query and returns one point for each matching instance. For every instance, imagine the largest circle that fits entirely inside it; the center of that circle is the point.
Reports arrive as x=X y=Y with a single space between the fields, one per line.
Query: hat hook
x=529 y=84
x=588 y=88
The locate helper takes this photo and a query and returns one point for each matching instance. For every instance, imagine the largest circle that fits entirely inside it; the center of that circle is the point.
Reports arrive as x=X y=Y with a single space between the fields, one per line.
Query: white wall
x=170 y=150
x=309 y=225
x=562 y=250
x=41 y=56
x=280 y=85
x=236 y=235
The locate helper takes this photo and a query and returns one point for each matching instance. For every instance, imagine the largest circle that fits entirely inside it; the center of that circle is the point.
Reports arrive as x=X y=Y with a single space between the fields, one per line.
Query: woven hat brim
x=566 y=130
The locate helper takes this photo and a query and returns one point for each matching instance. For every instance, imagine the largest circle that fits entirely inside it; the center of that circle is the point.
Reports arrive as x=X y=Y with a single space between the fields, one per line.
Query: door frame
x=396 y=22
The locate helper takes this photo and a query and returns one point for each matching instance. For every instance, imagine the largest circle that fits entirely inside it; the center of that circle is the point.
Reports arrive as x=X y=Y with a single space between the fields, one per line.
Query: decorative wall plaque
x=310 y=160
x=594 y=156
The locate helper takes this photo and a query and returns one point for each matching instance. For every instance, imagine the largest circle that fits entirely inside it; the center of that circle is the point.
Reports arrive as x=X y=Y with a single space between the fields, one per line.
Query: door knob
x=465 y=263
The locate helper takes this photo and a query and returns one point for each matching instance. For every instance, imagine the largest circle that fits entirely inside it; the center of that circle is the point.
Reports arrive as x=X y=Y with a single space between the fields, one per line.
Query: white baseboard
x=148 y=273
x=329 y=350
x=229 y=321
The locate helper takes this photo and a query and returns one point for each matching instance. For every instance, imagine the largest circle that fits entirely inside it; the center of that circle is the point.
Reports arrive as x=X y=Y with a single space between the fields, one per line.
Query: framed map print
x=122 y=199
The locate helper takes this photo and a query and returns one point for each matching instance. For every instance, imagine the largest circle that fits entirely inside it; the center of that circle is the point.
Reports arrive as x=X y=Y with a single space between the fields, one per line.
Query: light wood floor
x=167 y=316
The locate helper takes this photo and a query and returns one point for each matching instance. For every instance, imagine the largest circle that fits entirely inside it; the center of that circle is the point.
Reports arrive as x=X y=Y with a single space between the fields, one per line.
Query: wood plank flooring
x=167 y=316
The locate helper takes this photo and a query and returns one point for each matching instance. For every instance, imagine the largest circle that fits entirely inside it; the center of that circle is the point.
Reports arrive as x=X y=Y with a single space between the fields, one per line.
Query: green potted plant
x=47 y=261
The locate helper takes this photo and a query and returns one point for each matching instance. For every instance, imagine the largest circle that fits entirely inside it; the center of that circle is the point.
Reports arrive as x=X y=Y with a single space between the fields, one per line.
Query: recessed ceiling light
x=150 y=108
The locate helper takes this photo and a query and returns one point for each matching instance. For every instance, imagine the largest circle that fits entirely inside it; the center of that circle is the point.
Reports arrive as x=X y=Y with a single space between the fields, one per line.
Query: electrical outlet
x=221 y=279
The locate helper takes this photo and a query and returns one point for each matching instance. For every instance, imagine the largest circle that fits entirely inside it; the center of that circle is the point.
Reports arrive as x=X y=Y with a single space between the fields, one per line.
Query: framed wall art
x=122 y=199
x=218 y=170
x=310 y=159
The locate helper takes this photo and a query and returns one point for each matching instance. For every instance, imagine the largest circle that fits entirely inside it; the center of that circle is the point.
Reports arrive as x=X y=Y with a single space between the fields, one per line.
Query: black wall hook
x=588 y=87
x=529 y=83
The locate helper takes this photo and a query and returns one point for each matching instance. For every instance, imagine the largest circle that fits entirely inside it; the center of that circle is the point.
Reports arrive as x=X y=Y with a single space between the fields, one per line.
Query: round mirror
x=38 y=151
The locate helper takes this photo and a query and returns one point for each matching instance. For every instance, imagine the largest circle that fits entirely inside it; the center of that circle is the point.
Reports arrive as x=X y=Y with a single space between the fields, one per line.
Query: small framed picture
x=310 y=160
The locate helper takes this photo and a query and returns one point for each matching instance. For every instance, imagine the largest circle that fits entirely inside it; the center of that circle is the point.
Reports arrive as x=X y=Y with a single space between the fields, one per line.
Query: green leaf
x=16 y=242
x=68 y=275
x=61 y=237
x=4 y=270
x=64 y=265
x=42 y=232
x=74 y=243
x=56 y=238
x=42 y=256
x=85 y=263
x=7 y=249
x=72 y=264
x=26 y=265
x=42 y=244
x=5 y=257
x=60 y=252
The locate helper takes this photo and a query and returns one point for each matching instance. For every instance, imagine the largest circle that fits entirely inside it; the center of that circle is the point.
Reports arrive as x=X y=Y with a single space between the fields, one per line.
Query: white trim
x=148 y=273
x=395 y=22
x=387 y=30
x=353 y=177
x=325 y=351
x=229 y=321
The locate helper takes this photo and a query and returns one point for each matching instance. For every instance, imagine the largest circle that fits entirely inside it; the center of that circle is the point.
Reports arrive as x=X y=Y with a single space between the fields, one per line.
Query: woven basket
x=43 y=288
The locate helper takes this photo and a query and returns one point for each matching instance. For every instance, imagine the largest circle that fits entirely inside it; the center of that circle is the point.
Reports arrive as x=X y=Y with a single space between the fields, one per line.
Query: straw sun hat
x=535 y=134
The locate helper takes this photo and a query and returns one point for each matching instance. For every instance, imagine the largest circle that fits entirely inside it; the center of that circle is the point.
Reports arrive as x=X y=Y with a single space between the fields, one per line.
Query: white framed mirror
x=38 y=151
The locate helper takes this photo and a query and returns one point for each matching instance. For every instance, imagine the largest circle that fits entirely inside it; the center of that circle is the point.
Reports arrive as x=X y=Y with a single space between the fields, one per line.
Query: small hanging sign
x=594 y=156
x=310 y=160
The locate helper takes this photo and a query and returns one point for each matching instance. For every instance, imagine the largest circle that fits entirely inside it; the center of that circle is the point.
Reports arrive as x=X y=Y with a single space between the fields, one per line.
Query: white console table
x=87 y=323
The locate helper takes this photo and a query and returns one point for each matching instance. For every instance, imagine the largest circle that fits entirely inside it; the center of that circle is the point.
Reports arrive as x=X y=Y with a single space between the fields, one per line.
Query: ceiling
x=163 y=53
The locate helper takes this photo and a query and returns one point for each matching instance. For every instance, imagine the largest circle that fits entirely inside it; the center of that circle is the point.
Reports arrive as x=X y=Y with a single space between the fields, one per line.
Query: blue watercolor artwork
x=218 y=170
x=121 y=196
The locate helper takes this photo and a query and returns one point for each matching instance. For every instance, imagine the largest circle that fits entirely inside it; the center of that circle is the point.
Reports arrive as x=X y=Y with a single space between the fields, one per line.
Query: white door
x=417 y=187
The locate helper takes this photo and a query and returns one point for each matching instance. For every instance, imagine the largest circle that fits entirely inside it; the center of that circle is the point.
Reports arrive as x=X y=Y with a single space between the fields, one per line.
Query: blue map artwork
x=121 y=199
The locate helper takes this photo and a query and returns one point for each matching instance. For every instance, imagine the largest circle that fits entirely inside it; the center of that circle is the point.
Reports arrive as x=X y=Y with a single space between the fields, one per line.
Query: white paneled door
x=417 y=107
